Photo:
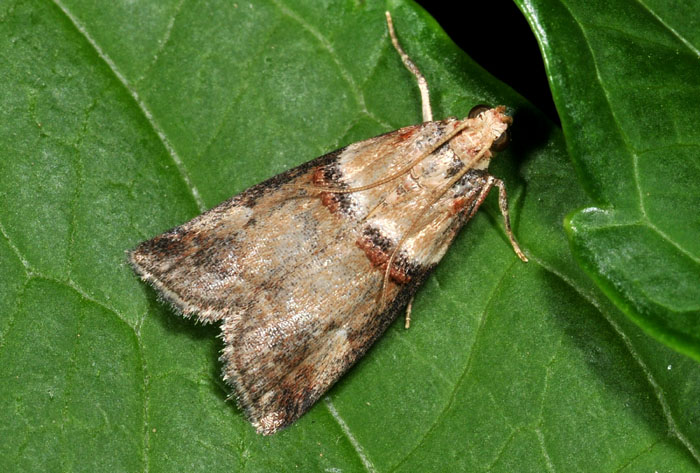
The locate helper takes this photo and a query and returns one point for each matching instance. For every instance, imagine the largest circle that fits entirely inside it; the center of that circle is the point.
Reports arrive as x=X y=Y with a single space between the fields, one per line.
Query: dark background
x=515 y=60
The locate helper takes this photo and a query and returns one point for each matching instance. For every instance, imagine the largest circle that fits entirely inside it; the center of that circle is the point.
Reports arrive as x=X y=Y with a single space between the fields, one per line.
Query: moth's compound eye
x=477 y=109
x=501 y=143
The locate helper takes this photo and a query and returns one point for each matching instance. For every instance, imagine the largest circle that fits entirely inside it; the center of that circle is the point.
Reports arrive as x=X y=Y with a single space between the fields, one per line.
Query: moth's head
x=486 y=133
x=494 y=125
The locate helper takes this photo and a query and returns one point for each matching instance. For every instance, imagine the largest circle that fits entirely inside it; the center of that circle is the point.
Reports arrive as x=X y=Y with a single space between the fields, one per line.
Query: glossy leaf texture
x=120 y=120
x=624 y=79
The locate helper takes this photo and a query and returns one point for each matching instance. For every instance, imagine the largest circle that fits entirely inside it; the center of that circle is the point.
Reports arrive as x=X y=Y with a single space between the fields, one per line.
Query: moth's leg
x=410 y=65
x=408 y=312
x=503 y=203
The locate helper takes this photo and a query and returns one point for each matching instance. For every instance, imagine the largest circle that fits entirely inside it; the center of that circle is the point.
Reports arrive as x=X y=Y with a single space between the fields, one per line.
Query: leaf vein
x=656 y=388
x=545 y=452
x=348 y=434
x=263 y=43
x=642 y=452
x=12 y=315
x=326 y=44
x=15 y=250
x=145 y=111
x=465 y=372
x=502 y=450
x=162 y=43
x=633 y=155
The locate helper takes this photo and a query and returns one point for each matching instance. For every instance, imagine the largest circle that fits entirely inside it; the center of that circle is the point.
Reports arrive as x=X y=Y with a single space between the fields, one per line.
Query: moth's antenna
x=411 y=66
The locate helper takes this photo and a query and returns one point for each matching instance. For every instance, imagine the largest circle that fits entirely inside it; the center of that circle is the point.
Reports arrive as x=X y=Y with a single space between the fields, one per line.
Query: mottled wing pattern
x=295 y=275
x=208 y=266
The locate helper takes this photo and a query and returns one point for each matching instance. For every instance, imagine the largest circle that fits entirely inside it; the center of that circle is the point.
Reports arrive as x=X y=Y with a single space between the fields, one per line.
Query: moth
x=306 y=270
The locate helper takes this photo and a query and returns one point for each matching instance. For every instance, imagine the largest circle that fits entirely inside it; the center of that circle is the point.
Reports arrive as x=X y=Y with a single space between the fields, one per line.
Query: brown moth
x=306 y=270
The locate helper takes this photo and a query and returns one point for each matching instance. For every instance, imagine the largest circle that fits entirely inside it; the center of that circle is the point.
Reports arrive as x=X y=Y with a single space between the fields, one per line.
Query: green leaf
x=119 y=122
x=625 y=83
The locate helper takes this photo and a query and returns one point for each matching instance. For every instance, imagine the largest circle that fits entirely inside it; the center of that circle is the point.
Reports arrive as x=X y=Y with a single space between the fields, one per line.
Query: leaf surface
x=123 y=120
x=625 y=83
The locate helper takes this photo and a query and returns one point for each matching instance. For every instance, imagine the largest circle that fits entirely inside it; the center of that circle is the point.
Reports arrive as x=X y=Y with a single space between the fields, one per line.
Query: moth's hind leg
x=411 y=66
x=409 y=308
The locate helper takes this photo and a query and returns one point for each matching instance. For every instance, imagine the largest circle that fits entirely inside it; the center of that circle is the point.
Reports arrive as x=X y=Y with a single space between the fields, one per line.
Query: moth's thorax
x=480 y=135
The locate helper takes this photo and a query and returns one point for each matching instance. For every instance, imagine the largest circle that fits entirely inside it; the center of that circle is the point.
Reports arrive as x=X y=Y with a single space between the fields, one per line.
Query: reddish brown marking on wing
x=379 y=258
x=407 y=133
x=321 y=177
x=318 y=177
x=458 y=204
x=375 y=254
x=399 y=276
x=330 y=201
